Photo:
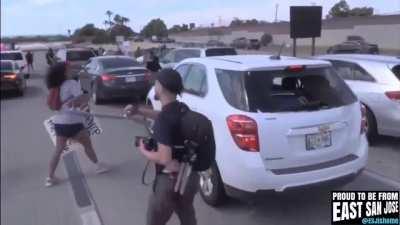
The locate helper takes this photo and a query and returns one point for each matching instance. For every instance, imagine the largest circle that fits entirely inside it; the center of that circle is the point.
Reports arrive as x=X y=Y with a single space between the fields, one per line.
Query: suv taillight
x=393 y=95
x=244 y=132
x=364 y=119
x=106 y=77
x=11 y=76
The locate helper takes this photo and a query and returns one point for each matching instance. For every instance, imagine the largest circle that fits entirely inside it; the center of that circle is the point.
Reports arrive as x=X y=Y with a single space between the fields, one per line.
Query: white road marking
x=90 y=218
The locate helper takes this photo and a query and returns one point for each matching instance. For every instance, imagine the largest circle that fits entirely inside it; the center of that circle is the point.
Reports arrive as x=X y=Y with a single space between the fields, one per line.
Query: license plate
x=317 y=141
x=130 y=79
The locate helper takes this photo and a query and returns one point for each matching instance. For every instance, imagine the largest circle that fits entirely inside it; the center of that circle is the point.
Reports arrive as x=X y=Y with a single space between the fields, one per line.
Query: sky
x=35 y=17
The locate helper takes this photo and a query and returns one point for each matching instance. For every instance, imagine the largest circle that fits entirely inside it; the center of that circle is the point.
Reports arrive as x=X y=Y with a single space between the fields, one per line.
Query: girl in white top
x=69 y=122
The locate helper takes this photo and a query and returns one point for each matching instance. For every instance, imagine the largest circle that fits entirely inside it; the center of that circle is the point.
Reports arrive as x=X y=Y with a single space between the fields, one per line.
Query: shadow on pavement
x=387 y=141
x=284 y=206
x=30 y=92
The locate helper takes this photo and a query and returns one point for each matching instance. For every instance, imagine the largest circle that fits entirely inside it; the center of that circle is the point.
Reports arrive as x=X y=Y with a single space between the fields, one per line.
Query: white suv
x=18 y=57
x=278 y=123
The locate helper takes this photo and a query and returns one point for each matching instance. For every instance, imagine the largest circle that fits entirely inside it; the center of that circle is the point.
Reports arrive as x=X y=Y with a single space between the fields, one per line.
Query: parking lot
x=119 y=196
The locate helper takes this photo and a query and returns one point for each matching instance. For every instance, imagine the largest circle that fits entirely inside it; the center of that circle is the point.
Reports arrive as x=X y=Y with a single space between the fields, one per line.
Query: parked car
x=75 y=58
x=354 y=44
x=280 y=124
x=108 y=77
x=376 y=82
x=215 y=43
x=239 y=43
x=167 y=40
x=18 y=57
x=176 y=55
x=12 y=77
x=138 y=39
x=254 y=44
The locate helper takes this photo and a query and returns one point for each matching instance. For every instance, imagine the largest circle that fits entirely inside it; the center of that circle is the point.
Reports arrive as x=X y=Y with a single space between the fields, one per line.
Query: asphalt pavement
x=119 y=198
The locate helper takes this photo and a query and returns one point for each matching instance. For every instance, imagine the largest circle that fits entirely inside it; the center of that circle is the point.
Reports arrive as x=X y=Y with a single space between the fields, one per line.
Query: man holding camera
x=164 y=200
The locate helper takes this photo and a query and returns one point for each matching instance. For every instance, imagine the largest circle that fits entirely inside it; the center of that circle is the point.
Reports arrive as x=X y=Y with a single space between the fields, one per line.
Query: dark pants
x=164 y=201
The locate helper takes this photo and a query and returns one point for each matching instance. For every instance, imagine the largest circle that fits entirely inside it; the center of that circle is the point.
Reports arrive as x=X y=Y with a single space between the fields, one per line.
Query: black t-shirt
x=166 y=129
x=153 y=65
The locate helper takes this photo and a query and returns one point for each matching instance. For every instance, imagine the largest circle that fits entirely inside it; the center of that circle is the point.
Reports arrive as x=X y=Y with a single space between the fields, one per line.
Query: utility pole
x=276 y=12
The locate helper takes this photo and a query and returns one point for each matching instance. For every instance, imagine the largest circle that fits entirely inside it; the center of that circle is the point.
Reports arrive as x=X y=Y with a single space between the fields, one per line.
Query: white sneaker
x=51 y=181
x=102 y=168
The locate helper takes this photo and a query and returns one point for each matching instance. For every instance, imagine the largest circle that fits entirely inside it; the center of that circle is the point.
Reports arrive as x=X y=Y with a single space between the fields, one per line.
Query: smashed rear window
x=283 y=91
x=396 y=71
x=11 y=56
x=220 y=51
x=79 y=55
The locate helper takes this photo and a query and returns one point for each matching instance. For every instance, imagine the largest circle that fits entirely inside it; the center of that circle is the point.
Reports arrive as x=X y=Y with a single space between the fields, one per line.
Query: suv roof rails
x=228 y=60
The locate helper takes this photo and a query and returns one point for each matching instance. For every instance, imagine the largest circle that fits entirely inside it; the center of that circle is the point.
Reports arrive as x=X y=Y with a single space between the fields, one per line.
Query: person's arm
x=146 y=111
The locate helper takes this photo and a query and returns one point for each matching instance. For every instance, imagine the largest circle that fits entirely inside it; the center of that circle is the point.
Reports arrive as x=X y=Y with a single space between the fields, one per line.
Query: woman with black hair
x=68 y=122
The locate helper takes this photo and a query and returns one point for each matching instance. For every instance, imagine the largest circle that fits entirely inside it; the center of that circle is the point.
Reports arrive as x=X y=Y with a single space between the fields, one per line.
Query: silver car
x=376 y=81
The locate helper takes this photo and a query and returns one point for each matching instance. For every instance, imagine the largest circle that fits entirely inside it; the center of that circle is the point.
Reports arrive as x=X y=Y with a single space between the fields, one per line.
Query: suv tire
x=372 y=131
x=211 y=187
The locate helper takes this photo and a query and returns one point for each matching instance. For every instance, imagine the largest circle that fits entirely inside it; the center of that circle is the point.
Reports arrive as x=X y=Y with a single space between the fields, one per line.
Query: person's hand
x=130 y=110
x=142 y=147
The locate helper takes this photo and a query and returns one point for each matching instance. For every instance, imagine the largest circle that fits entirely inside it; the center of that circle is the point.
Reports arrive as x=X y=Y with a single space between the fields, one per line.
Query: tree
x=363 y=11
x=155 y=27
x=109 y=14
x=124 y=20
x=192 y=26
x=340 y=9
x=251 y=22
x=91 y=33
x=236 y=22
x=175 y=29
x=121 y=30
x=87 y=30
x=266 y=39
x=185 y=27
x=117 y=19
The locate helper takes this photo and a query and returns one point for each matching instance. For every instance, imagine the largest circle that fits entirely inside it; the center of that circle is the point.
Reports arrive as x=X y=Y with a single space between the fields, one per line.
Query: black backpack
x=197 y=132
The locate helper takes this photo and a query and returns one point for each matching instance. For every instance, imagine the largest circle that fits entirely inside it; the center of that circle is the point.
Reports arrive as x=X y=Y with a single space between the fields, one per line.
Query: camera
x=149 y=143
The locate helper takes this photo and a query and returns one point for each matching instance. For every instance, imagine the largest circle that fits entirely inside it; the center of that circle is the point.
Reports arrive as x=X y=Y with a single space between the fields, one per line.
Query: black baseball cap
x=170 y=79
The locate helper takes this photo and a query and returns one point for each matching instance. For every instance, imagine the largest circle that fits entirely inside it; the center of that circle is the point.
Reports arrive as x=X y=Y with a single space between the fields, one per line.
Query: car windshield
x=11 y=56
x=116 y=62
x=283 y=91
x=220 y=51
x=396 y=71
x=6 y=66
x=79 y=55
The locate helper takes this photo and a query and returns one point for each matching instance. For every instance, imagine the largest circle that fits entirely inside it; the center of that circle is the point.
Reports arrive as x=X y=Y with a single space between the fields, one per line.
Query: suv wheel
x=372 y=131
x=211 y=186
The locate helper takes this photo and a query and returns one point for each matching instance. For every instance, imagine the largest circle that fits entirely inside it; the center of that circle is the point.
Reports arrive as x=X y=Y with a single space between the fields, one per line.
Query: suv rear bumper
x=328 y=184
x=256 y=179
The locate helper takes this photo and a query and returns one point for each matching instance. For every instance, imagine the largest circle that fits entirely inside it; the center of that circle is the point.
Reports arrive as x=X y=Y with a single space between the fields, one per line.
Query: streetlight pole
x=276 y=12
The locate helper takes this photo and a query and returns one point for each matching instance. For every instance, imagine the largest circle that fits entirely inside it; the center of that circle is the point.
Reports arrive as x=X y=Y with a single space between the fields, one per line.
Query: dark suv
x=354 y=44
x=75 y=58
